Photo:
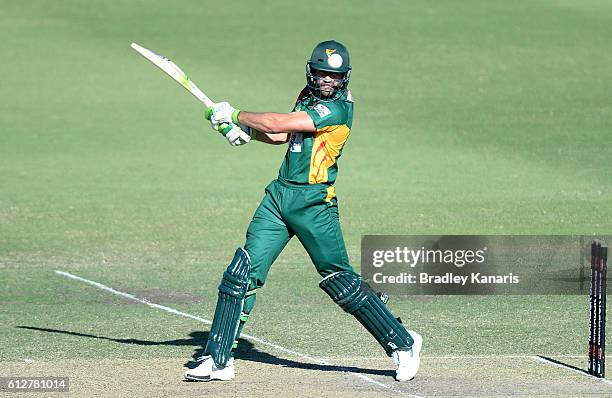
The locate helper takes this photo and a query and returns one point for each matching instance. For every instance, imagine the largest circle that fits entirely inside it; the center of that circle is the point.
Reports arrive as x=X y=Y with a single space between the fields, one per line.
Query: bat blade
x=174 y=72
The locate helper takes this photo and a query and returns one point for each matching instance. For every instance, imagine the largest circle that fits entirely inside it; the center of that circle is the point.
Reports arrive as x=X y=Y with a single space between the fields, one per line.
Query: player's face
x=328 y=81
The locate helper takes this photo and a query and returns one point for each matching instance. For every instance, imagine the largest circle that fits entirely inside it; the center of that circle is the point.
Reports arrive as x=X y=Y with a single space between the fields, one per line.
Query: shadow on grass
x=245 y=351
x=565 y=365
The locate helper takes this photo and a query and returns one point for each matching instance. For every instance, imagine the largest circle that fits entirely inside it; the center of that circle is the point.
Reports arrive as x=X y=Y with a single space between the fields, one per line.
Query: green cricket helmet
x=329 y=56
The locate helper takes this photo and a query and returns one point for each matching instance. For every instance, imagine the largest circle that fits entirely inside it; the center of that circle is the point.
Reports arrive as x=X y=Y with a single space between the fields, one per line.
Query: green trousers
x=309 y=212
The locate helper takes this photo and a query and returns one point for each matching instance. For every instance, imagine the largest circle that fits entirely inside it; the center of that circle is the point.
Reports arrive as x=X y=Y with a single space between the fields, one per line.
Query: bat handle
x=224 y=128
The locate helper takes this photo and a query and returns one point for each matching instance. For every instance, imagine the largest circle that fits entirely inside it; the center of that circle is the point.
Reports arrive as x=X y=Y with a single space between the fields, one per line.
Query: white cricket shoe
x=207 y=370
x=408 y=361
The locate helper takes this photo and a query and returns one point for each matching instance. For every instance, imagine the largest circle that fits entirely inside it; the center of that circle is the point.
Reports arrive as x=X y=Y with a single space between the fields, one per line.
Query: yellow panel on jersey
x=326 y=147
x=331 y=193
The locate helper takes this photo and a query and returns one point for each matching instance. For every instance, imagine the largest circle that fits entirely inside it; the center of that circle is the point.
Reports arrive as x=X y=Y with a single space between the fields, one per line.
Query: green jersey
x=312 y=158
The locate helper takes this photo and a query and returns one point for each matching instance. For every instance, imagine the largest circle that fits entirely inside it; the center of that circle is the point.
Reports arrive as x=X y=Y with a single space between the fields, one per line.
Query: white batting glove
x=235 y=135
x=223 y=112
x=220 y=113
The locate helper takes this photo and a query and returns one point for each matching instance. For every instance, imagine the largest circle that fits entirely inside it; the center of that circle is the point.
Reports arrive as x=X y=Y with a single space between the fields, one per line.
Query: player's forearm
x=277 y=123
x=268 y=122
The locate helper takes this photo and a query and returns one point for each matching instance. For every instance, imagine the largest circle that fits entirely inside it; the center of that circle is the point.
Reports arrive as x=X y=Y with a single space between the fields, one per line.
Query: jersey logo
x=295 y=143
x=322 y=110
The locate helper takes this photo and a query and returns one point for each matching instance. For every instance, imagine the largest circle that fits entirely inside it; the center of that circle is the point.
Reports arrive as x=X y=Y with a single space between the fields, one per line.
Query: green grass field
x=472 y=117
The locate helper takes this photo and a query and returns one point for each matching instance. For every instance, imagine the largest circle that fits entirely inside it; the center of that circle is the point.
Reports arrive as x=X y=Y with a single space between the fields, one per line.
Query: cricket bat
x=174 y=72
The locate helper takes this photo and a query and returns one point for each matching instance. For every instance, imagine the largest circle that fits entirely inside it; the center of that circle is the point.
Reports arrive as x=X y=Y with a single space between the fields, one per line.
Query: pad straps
x=356 y=297
x=232 y=290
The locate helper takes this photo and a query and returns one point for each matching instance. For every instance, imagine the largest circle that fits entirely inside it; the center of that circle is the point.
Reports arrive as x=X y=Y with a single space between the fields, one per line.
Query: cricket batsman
x=300 y=202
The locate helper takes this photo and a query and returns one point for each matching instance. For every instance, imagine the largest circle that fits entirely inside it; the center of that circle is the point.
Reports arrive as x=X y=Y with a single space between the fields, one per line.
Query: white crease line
x=546 y=361
x=467 y=357
x=252 y=338
x=524 y=356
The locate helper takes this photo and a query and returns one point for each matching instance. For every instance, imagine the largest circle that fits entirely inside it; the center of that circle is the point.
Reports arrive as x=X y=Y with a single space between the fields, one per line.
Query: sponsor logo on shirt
x=322 y=110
